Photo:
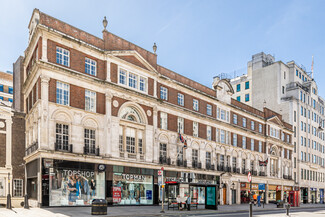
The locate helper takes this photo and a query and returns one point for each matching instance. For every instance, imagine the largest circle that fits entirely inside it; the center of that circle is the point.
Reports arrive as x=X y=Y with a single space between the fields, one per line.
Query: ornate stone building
x=102 y=114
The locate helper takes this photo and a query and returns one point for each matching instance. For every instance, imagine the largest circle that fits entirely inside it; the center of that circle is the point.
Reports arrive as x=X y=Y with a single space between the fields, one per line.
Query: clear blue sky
x=198 y=39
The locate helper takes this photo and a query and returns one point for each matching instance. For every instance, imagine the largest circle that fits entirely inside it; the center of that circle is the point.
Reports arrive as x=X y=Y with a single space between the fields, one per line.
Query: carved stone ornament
x=115 y=103
x=149 y=113
x=2 y=124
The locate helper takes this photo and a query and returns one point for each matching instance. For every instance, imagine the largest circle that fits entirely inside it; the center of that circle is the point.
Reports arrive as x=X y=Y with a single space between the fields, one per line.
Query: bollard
x=8 y=201
x=26 y=206
x=250 y=209
x=288 y=207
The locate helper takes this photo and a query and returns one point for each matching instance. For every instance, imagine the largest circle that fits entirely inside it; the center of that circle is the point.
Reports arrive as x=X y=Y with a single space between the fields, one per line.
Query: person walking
x=259 y=200
x=255 y=199
x=188 y=202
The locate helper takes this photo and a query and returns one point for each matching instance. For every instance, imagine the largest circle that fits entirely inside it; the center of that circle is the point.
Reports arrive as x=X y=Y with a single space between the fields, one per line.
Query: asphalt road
x=267 y=213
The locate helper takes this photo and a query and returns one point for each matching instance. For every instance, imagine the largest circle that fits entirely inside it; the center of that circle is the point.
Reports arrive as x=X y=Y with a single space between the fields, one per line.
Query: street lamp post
x=8 y=195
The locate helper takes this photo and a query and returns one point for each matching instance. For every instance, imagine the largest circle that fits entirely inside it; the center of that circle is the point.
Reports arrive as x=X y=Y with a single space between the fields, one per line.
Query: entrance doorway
x=225 y=195
x=234 y=196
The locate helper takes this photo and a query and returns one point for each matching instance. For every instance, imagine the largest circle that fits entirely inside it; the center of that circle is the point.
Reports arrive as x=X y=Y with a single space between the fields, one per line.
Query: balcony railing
x=164 y=160
x=63 y=147
x=254 y=173
x=91 y=150
x=262 y=173
x=33 y=147
x=285 y=176
x=196 y=164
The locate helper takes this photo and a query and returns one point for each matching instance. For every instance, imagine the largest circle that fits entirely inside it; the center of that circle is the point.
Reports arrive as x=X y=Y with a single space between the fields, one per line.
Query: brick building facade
x=12 y=151
x=102 y=113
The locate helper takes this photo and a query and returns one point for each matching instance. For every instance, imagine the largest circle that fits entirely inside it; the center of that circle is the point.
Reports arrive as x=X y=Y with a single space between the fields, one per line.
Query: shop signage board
x=149 y=195
x=116 y=194
x=261 y=187
x=287 y=188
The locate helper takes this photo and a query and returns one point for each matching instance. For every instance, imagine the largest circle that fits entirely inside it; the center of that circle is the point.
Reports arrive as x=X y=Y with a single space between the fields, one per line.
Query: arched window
x=131 y=136
x=131 y=114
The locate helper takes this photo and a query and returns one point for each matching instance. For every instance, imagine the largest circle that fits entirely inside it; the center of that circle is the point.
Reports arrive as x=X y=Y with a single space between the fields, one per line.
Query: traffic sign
x=162 y=168
x=249 y=177
x=160 y=172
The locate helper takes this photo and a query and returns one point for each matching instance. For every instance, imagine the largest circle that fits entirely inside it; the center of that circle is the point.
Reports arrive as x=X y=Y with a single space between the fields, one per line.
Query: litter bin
x=99 y=207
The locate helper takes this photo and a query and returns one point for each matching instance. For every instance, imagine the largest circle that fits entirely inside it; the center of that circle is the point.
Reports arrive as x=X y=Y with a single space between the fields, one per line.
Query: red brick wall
x=70 y=30
x=2 y=150
x=150 y=118
x=77 y=97
x=113 y=42
x=172 y=122
x=133 y=60
x=52 y=90
x=188 y=127
x=114 y=73
x=202 y=131
x=213 y=133
x=18 y=144
x=120 y=102
x=158 y=121
x=239 y=141
x=39 y=88
x=150 y=86
x=77 y=59
x=100 y=103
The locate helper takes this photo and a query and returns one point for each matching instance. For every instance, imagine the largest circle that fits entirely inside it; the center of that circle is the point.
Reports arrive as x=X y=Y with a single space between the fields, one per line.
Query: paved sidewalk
x=136 y=211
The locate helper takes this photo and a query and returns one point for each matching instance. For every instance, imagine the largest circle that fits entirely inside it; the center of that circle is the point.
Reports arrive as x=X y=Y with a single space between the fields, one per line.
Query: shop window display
x=70 y=187
x=132 y=189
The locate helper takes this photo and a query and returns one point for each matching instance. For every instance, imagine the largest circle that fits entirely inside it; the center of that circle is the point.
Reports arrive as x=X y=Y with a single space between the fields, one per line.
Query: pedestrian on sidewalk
x=259 y=200
x=255 y=199
x=188 y=202
x=179 y=202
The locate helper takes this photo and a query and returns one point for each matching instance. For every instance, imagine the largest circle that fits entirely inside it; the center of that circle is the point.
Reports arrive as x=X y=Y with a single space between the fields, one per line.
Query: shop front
x=184 y=184
x=313 y=195
x=67 y=183
x=245 y=190
x=286 y=191
x=274 y=193
x=132 y=189
x=304 y=195
x=321 y=196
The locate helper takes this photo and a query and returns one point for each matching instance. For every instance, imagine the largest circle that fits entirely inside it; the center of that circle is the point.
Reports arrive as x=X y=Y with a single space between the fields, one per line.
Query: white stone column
x=155 y=88
x=8 y=144
x=44 y=135
x=44 y=49
x=155 y=140
x=238 y=192
x=229 y=193
x=107 y=147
